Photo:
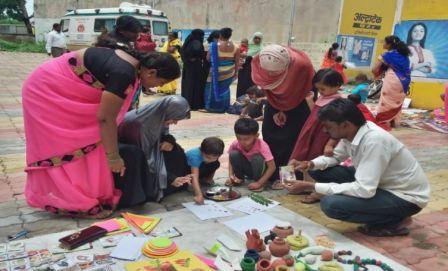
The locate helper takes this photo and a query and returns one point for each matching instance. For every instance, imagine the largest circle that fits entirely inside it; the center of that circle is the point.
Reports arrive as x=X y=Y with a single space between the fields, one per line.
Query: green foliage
x=29 y=47
x=260 y=199
x=11 y=9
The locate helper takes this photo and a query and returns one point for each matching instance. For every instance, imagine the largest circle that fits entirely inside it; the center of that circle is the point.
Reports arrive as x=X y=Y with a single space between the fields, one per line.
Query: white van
x=83 y=26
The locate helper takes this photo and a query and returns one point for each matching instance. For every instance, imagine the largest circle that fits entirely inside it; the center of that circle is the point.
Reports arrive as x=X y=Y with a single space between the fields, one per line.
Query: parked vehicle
x=83 y=26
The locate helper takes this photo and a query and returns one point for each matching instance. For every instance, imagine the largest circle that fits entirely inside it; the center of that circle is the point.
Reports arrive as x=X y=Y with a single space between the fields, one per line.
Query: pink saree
x=391 y=100
x=67 y=169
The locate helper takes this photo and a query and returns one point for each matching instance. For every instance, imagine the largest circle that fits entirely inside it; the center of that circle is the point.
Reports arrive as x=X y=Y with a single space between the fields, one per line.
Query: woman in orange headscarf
x=285 y=74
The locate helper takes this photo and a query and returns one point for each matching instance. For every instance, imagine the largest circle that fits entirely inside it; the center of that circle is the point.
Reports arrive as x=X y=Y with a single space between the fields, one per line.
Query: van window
x=101 y=24
x=65 y=24
x=145 y=22
x=159 y=28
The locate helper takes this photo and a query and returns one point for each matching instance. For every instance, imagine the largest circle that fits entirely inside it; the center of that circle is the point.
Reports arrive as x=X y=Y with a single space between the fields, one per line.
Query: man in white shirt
x=56 y=45
x=384 y=187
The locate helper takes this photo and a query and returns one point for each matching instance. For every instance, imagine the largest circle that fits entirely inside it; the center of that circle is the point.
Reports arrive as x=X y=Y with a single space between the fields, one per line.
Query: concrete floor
x=426 y=246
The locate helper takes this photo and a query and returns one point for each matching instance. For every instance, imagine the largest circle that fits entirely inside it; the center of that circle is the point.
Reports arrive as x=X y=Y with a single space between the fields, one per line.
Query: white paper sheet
x=249 y=206
x=260 y=221
x=129 y=248
x=209 y=210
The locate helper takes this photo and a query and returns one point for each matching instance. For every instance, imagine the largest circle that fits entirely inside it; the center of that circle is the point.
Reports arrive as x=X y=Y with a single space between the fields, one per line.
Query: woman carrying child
x=313 y=141
x=285 y=75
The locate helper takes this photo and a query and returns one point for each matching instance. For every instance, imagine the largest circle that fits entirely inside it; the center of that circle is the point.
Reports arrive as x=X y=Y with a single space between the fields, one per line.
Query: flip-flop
x=261 y=189
x=230 y=183
x=310 y=199
x=383 y=232
x=277 y=185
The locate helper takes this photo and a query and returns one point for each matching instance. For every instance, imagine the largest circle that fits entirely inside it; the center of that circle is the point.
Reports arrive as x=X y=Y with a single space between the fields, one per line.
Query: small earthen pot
x=278 y=262
x=265 y=255
x=247 y=264
x=282 y=268
x=283 y=229
x=289 y=260
x=264 y=265
x=326 y=255
x=279 y=247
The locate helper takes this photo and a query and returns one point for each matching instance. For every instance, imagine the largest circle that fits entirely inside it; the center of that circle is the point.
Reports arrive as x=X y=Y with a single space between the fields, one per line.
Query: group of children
x=250 y=158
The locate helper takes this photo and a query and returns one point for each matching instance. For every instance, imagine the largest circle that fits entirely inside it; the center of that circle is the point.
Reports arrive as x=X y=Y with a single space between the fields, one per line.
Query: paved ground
x=426 y=247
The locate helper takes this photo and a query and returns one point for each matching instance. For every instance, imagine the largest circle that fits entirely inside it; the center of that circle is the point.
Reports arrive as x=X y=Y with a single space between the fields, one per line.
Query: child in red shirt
x=339 y=67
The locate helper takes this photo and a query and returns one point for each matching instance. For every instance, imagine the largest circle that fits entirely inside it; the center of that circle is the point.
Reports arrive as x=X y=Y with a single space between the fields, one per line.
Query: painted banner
x=357 y=50
x=428 y=42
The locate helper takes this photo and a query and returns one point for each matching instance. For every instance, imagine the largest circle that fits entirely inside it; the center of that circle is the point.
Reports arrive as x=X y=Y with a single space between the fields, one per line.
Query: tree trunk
x=25 y=17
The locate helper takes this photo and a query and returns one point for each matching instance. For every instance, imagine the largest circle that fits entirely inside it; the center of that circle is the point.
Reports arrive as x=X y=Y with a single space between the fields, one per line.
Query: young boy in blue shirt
x=204 y=163
x=362 y=88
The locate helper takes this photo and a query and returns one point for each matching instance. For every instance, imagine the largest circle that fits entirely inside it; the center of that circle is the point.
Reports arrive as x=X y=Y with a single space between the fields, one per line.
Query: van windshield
x=159 y=28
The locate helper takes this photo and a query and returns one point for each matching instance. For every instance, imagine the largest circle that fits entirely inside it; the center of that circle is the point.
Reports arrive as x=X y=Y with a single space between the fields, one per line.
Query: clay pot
x=326 y=255
x=254 y=241
x=252 y=253
x=283 y=229
x=247 y=264
x=289 y=260
x=265 y=255
x=278 y=262
x=282 y=268
x=264 y=265
x=297 y=241
x=278 y=247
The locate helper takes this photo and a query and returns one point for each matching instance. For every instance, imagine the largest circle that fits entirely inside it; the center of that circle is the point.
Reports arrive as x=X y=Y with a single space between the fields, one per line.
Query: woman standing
x=139 y=135
x=330 y=56
x=244 y=74
x=422 y=60
x=172 y=46
x=72 y=106
x=394 y=65
x=224 y=59
x=193 y=56
x=285 y=74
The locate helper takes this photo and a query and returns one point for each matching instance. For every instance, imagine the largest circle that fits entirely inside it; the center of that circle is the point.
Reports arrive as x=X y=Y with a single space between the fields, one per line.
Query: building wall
x=315 y=20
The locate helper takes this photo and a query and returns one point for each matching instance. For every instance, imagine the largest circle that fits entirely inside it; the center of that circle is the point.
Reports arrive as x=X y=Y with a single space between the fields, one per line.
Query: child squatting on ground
x=249 y=157
x=204 y=163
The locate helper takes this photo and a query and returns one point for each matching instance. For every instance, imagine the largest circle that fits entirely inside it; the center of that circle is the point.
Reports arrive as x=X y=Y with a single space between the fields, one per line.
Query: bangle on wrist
x=112 y=155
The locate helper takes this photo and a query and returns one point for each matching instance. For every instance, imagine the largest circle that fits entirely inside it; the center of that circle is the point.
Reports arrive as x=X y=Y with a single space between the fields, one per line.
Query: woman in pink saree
x=395 y=66
x=72 y=106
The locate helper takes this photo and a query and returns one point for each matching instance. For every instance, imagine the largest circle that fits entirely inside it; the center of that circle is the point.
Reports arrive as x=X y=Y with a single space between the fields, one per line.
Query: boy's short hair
x=246 y=126
x=361 y=77
x=338 y=59
x=168 y=138
x=212 y=146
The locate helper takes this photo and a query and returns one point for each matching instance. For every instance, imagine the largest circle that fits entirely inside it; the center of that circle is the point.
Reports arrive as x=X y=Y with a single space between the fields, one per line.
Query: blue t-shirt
x=194 y=157
x=362 y=90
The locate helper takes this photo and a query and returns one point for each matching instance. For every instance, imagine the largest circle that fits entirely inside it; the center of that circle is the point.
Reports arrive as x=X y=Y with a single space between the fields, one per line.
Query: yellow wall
x=384 y=9
x=425 y=94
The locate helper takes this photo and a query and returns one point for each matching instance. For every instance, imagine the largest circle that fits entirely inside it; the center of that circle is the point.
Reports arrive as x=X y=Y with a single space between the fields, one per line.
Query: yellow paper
x=182 y=261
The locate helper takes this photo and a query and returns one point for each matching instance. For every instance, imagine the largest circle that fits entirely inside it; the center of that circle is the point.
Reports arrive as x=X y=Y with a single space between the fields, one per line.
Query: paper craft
x=56 y=249
x=249 y=206
x=208 y=210
x=101 y=268
x=17 y=255
x=16 y=246
x=144 y=224
x=103 y=259
x=225 y=266
x=109 y=225
x=228 y=242
x=207 y=261
x=111 y=241
x=182 y=261
x=20 y=264
x=65 y=265
x=129 y=248
x=260 y=221
x=3 y=257
x=169 y=233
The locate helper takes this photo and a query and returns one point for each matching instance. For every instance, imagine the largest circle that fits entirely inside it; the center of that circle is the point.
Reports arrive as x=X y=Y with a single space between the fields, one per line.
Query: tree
x=15 y=9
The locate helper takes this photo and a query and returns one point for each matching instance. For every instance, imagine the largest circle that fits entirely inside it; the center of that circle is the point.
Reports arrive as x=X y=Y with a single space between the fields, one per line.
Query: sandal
x=383 y=232
x=261 y=189
x=234 y=184
x=277 y=185
x=311 y=199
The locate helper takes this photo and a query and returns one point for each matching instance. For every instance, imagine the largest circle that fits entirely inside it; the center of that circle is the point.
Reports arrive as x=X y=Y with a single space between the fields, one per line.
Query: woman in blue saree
x=224 y=58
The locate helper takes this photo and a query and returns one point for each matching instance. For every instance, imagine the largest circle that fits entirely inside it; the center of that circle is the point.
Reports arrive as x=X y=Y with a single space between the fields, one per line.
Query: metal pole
x=291 y=21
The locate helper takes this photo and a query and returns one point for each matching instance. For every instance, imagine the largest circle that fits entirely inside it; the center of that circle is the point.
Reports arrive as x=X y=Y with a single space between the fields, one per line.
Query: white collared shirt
x=381 y=161
x=55 y=39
